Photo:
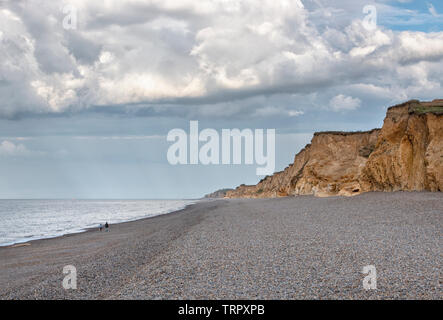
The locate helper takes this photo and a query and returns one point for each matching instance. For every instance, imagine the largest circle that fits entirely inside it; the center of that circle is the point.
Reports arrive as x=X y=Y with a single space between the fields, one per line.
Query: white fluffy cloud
x=8 y=148
x=344 y=103
x=187 y=52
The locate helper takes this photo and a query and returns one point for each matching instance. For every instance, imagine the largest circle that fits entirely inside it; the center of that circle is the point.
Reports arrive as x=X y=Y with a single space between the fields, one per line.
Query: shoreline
x=45 y=258
x=283 y=248
x=87 y=229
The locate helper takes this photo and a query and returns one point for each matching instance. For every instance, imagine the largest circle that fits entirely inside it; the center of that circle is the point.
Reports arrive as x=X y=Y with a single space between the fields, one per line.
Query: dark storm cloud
x=189 y=54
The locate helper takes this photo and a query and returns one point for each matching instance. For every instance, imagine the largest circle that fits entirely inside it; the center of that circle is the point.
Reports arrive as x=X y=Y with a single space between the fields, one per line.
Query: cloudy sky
x=90 y=89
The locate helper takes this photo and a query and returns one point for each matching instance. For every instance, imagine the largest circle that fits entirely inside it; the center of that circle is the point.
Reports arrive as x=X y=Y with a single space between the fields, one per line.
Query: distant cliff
x=218 y=194
x=405 y=154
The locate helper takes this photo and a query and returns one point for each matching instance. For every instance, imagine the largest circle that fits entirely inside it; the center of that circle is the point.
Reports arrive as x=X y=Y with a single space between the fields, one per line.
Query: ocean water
x=25 y=220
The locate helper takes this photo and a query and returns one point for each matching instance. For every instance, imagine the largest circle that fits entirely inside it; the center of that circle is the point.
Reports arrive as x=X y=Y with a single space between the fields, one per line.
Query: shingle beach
x=287 y=248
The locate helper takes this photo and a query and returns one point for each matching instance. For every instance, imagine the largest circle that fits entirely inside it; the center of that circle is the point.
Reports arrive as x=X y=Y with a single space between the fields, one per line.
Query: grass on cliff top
x=420 y=108
x=424 y=109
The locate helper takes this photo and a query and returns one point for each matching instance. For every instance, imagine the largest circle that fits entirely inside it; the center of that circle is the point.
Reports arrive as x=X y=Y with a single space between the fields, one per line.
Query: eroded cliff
x=406 y=154
x=409 y=150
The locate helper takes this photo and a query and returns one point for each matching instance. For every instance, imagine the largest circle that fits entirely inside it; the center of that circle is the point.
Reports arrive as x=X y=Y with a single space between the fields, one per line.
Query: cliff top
x=344 y=133
x=420 y=107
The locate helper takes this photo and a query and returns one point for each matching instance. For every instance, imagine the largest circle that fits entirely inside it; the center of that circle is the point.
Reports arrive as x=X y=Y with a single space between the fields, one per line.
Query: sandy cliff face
x=327 y=166
x=409 y=150
x=406 y=154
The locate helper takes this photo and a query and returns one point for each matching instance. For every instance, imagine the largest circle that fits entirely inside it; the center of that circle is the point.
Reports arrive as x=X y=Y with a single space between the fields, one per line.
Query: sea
x=26 y=220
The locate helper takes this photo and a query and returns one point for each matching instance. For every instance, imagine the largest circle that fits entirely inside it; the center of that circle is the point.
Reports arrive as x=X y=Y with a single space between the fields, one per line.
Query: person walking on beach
x=100 y=227
x=106 y=226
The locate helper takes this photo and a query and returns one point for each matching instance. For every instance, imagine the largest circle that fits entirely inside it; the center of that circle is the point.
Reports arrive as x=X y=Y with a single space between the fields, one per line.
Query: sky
x=89 y=90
